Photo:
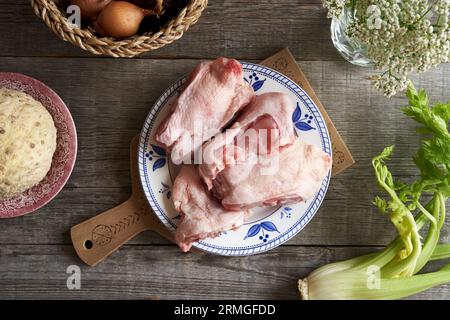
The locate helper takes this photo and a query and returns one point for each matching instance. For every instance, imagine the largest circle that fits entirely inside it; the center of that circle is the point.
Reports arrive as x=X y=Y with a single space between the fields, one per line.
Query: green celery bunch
x=393 y=272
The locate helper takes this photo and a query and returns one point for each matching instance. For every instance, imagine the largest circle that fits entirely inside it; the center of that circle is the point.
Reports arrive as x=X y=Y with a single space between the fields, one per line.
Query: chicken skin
x=214 y=92
x=202 y=216
x=262 y=128
x=292 y=175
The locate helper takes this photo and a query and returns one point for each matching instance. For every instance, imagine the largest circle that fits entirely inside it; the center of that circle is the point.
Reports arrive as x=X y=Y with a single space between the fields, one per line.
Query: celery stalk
x=379 y=259
x=356 y=285
x=432 y=237
x=392 y=272
x=442 y=251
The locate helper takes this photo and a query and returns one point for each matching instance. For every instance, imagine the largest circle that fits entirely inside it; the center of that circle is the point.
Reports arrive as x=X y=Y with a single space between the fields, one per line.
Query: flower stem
x=426 y=12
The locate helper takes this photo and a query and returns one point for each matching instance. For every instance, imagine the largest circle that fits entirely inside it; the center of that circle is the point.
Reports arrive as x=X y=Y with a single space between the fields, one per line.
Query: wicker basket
x=129 y=47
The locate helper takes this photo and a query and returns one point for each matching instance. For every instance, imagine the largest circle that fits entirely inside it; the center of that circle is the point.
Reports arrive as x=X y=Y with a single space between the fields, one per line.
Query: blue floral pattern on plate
x=255 y=81
x=255 y=229
x=286 y=212
x=165 y=189
x=303 y=124
x=159 y=155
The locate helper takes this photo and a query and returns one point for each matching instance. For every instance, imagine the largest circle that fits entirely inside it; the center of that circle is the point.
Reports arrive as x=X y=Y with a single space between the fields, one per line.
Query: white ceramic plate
x=266 y=228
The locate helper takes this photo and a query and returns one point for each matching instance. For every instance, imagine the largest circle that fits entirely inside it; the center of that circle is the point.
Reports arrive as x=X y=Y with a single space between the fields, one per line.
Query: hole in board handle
x=88 y=244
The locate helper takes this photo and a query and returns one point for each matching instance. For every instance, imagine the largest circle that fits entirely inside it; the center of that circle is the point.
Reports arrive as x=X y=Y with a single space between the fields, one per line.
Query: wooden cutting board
x=96 y=238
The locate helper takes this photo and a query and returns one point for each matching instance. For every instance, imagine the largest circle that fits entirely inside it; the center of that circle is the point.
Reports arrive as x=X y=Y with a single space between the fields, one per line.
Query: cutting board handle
x=96 y=238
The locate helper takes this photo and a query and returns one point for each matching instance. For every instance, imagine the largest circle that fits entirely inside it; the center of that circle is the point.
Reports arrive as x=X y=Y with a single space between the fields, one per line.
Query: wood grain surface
x=109 y=100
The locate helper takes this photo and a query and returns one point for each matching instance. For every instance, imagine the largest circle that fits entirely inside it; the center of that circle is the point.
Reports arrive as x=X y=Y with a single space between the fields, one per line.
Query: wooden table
x=109 y=99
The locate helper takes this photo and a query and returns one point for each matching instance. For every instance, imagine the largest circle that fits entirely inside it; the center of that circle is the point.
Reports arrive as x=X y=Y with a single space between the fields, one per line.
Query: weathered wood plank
x=337 y=223
x=110 y=98
x=351 y=220
x=162 y=272
x=231 y=28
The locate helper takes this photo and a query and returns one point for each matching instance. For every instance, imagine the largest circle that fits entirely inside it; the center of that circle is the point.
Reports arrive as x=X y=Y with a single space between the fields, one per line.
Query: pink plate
x=66 y=149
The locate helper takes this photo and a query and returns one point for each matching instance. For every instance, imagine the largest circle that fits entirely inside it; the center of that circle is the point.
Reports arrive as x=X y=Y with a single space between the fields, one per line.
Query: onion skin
x=156 y=5
x=120 y=19
x=90 y=9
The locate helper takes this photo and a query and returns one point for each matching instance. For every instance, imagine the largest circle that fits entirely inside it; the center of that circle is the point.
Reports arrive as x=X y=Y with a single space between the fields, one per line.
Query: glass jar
x=349 y=48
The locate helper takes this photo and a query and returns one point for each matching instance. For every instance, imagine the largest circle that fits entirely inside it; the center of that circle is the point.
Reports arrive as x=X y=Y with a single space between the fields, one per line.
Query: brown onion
x=120 y=19
x=90 y=8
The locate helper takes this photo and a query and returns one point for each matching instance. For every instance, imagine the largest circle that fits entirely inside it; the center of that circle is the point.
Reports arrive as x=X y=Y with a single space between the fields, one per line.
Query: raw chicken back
x=263 y=128
x=202 y=216
x=293 y=175
x=214 y=92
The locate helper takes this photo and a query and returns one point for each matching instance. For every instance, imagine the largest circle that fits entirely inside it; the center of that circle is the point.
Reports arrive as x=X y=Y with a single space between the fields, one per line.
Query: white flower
x=335 y=7
x=401 y=37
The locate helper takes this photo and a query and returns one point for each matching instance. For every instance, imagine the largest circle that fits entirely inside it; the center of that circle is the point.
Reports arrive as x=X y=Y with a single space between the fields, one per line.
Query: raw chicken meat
x=294 y=174
x=201 y=215
x=264 y=126
x=214 y=92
